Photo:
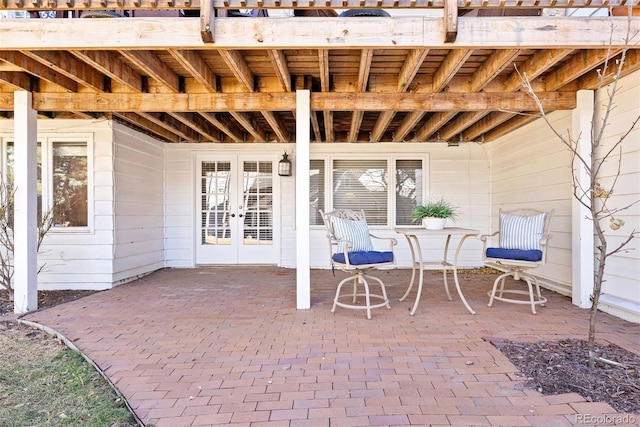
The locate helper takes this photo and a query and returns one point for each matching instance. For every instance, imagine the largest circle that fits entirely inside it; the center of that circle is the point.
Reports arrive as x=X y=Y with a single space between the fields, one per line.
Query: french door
x=235 y=223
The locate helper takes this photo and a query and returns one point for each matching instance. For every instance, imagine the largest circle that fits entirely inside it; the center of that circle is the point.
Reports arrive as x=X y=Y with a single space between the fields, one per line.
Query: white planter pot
x=434 y=223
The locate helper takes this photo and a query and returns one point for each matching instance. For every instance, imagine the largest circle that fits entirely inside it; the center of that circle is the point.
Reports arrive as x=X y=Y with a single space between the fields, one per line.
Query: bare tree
x=7 y=193
x=593 y=194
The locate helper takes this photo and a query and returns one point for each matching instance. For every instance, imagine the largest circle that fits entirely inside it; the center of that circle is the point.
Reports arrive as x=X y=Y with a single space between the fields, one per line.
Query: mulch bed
x=556 y=367
x=45 y=299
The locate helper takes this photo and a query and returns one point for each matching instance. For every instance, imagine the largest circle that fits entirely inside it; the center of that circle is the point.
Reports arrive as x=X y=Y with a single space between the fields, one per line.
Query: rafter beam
x=315 y=125
x=366 y=56
x=17 y=79
x=510 y=125
x=276 y=124
x=410 y=68
x=410 y=121
x=38 y=69
x=328 y=126
x=535 y=65
x=252 y=128
x=381 y=125
x=197 y=124
x=224 y=126
x=149 y=125
x=280 y=65
x=166 y=122
x=323 y=65
x=492 y=67
x=474 y=132
x=67 y=65
x=239 y=67
x=452 y=63
x=196 y=66
x=354 y=128
x=112 y=65
x=156 y=69
x=435 y=122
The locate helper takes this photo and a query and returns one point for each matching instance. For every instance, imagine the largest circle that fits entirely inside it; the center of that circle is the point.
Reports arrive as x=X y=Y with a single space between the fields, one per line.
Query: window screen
x=409 y=178
x=362 y=184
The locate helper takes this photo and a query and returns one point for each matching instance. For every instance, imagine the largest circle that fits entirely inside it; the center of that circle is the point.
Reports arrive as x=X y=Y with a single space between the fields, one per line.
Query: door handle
x=233 y=215
x=239 y=215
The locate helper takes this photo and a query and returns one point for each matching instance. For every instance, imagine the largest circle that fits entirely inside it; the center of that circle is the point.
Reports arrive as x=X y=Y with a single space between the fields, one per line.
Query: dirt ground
x=552 y=367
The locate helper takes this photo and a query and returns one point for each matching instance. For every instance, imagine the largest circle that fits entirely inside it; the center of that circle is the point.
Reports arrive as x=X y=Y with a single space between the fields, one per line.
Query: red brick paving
x=226 y=346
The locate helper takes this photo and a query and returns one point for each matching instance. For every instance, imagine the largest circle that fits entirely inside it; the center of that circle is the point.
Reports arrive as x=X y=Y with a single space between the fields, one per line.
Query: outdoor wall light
x=284 y=165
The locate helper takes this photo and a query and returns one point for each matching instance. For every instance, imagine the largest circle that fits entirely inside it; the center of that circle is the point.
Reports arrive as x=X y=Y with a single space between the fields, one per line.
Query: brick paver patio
x=226 y=346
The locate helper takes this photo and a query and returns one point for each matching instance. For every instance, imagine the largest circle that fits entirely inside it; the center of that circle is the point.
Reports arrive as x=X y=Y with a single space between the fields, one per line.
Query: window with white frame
x=385 y=189
x=62 y=180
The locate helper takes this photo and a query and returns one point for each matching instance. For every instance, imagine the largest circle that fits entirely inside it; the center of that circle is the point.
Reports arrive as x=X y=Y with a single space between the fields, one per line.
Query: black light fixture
x=284 y=165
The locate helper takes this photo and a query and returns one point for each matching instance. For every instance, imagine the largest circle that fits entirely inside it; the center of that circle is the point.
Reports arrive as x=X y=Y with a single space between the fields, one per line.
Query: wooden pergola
x=372 y=79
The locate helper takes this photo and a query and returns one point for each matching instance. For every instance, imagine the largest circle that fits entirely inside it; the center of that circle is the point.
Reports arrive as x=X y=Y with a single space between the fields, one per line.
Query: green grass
x=44 y=383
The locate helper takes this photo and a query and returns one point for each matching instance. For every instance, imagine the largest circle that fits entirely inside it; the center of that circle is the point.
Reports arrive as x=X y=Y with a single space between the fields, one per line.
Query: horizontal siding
x=139 y=204
x=622 y=273
x=531 y=167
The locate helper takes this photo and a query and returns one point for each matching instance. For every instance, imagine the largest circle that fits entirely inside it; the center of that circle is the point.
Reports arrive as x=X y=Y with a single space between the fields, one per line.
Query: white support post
x=25 y=228
x=582 y=225
x=303 y=264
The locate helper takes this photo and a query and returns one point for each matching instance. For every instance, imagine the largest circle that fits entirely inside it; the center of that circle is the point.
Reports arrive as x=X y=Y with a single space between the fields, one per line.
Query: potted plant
x=434 y=214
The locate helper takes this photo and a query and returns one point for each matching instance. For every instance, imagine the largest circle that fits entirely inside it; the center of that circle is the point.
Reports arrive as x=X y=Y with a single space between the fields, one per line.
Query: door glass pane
x=409 y=177
x=215 y=198
x=316 y=192
x=362 y=184
x=257 y=202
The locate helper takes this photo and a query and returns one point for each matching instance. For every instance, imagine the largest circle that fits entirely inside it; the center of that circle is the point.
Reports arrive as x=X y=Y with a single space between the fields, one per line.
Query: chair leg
x=533 y=299
x=361 y=279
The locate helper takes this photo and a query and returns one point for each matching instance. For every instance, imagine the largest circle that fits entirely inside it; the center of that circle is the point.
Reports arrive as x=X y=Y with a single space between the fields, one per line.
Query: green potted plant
x=434 y=214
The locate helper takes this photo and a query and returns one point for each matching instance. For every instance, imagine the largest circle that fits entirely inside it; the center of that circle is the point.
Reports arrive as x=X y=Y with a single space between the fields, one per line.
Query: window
x=66 y=184
x=365 y=184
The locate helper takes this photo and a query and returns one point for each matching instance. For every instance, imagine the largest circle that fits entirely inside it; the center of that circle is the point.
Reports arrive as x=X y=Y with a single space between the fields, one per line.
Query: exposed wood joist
x=38 y=69
x=17 y=79
x=197 y=124
x=149 y=125
x=112 y=65
x=197 y=67
x=282 y=71
x=154 y=68
x=225 y=126
x=248 y=124
x=237 y=64
x=278 y=127
x=166 y=122
x=67 y=65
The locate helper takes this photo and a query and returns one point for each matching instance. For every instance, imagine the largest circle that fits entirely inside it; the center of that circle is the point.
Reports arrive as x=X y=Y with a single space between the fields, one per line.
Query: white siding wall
x=460 y=174
x=180 y=215
x=531 y=167
x=138 y=204
x=80 y=258
x=621 y=289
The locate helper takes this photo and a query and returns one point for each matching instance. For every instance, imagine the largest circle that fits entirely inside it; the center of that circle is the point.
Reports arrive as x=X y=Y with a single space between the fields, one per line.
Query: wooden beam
x=207 y=14
x=579 y=64
x=38 y=69
x=474 y=132
x=454 y=128
x=112 y=65
x=328 y=126
x=224 y=126
x=193 y=62
x=67 y=65
x=166 y=122
x=354 y=128
x=450 y=17
x=239 y=67
x=224 y=102
x=410 y=121
x=156 y=69
x=17 y=79
x=381 y=125
x=323 y=65
x=366 y=56
x=410 y=68
x=510 y=125
x=143 y=123
x=447 y=70
x=492 y=67
x=315 y=125
x=292 y=33
x=303 y=4
x=278 y=127
x=200 y=126
x=535 y=65
x=434 y=122
x=282 y=70
x=248 y=124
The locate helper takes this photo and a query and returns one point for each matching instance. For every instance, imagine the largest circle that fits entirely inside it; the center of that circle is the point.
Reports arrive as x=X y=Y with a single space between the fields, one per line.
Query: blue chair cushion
x=364 y=257
x=516 y=254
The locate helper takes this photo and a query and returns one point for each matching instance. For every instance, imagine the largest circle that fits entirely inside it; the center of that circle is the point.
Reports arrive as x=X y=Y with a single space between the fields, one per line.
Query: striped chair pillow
x=521 y=232
x=355 y=232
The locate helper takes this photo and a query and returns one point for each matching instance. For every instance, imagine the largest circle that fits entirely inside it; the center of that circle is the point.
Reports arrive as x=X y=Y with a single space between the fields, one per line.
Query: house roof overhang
x=391 y=79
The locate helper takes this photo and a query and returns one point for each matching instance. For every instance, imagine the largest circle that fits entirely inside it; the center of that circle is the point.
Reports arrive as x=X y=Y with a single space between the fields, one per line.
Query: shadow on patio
x=219 y=346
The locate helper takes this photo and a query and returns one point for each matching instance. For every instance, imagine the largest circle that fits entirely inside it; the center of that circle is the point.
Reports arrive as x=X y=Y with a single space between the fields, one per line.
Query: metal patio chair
x=351 y=250
x=523 y=237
